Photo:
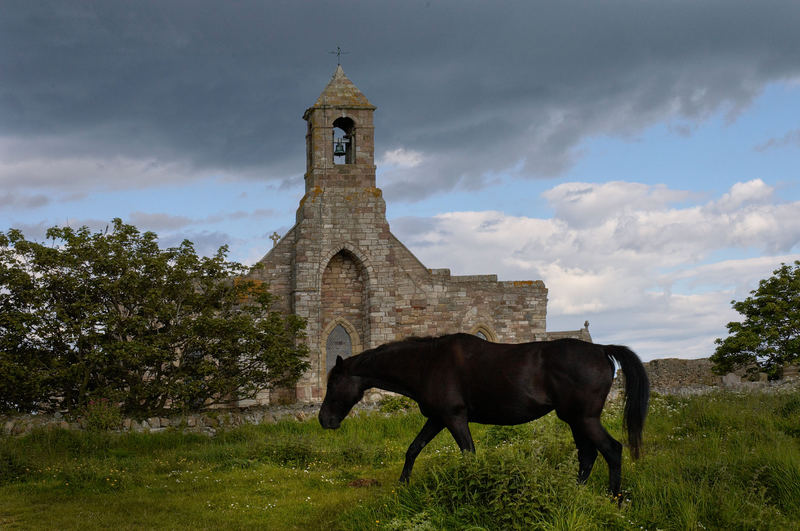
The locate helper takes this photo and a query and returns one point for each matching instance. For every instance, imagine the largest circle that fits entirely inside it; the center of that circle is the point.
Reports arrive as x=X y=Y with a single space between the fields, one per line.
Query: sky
x=640 y=157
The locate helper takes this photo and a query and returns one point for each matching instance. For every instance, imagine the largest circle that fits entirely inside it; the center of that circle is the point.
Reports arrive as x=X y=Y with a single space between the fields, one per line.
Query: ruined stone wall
x=437 y=303
x=671 y=372
x=677 y=376
x=277 y=271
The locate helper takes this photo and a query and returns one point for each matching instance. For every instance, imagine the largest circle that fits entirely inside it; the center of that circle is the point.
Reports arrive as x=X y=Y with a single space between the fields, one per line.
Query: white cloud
x=582 y=203
x=401 y=158
x=750 y=192
x=621 y=255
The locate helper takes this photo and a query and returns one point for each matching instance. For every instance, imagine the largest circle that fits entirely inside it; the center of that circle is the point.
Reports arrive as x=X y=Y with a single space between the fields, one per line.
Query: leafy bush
x=102 y=414
x=112 y=315
x=499 y=489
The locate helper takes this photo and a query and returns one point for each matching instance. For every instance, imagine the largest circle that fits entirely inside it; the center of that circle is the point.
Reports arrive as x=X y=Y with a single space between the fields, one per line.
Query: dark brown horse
x=460 y=378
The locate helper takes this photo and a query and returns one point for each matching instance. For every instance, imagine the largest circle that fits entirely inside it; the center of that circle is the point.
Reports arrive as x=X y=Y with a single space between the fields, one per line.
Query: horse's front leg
x=431 y=428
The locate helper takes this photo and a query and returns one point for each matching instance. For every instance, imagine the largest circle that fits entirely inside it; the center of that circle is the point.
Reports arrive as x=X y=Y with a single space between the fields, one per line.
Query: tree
x=769 y=335
x=111 y=315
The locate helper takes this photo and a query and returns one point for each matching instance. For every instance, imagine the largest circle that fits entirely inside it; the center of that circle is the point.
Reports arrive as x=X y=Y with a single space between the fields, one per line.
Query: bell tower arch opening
x=344 y=141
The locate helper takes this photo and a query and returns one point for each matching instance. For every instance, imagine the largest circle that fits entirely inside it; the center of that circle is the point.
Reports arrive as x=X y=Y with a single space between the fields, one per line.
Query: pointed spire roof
x=340 y=92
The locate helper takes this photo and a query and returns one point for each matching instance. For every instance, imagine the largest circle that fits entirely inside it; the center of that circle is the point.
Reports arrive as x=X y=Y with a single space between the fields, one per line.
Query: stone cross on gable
x=275 y=237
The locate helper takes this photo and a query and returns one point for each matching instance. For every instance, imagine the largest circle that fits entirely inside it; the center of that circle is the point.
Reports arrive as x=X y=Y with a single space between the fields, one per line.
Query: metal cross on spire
x=338 y=53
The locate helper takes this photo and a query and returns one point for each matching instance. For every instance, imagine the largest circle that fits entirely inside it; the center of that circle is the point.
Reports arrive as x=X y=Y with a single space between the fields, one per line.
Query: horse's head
x=344 y=391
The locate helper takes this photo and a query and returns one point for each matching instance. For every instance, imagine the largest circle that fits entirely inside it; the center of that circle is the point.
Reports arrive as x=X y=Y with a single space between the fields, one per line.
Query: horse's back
x=514 y=383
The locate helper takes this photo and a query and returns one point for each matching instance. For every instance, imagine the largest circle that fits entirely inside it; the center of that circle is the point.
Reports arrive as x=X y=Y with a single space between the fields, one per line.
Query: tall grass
x=714 y=461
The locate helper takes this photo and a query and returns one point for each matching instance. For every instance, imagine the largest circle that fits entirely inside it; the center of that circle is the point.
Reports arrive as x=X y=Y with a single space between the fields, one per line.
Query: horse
x=460 y=378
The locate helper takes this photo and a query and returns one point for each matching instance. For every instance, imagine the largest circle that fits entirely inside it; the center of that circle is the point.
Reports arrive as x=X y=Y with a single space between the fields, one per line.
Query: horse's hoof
x=617 y=498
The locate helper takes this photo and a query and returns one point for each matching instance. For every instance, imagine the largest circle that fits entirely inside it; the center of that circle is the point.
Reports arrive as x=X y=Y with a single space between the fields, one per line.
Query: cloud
x=54 y=163
x=96 y=95
x=582 y=203
x=10 y=200
x=158 y=221
x=631 y=261
x=401 y=157
x=790 y=139
x=206 y=243
x=161 y=221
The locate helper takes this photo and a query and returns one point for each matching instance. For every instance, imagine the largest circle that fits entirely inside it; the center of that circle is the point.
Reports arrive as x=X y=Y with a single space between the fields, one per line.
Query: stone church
x=355 y=283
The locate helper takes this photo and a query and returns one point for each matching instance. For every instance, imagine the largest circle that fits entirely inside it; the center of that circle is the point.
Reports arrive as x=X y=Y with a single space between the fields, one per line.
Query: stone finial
x=586 y=325
x=275 y=237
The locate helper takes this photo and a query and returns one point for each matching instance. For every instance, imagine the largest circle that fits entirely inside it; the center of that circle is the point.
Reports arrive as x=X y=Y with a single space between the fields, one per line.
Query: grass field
x=714 y=461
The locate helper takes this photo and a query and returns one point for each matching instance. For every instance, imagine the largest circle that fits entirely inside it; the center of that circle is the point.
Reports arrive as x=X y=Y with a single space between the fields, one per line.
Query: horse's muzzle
x=328 y=422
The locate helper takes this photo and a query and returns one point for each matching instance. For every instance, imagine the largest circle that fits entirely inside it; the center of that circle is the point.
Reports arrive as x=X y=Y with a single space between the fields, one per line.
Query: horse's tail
x=637 y=394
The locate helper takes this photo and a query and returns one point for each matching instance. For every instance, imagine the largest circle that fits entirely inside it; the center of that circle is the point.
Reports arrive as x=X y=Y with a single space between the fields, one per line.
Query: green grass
x=715 y=461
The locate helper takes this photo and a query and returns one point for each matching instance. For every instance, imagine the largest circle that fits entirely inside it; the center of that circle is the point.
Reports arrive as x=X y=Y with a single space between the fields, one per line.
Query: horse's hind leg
x=587 y=452
x=431 y=428
x=609 y=447
x=459 y=429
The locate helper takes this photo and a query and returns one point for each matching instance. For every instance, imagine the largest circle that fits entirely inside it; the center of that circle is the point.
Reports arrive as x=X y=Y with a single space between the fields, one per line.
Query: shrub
x=102 y=415
x=111 y=314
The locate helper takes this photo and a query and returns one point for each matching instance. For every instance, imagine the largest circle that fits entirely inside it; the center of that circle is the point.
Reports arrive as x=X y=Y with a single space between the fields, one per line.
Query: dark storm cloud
x=200 y=87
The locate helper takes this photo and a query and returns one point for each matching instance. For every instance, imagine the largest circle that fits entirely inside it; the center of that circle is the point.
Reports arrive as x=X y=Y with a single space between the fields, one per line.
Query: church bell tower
x=341 y=250
x=340 y=142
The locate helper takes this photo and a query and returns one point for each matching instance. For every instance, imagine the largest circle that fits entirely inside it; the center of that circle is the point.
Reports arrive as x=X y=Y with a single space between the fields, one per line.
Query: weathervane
x=338 y=53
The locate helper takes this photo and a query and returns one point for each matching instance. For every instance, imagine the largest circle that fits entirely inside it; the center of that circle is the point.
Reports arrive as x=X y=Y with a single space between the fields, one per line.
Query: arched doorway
x=338 y=343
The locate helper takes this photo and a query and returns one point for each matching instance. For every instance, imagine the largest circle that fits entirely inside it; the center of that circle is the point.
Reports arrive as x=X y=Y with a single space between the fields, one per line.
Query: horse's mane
x=410 y=340
x=368 y=356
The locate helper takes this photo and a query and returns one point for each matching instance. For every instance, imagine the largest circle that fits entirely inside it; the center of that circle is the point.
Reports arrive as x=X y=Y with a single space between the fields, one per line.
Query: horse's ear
x=339 y=360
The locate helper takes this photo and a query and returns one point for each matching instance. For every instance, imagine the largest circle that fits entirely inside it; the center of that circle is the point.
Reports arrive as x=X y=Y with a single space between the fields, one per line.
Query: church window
x=484 y=332
x=344 y=147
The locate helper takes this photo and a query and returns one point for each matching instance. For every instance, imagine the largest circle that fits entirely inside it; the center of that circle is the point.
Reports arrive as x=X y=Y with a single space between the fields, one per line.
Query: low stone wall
x=206 y=422
x=679 y=377
x=671 y=373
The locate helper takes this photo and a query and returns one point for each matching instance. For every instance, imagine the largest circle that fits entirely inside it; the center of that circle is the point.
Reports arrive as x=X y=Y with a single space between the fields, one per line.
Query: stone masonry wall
x=671 y=372
x=343 y=293
x=679 y=376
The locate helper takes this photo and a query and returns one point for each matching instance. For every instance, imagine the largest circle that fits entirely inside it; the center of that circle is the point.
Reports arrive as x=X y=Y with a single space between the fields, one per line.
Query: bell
x=338 y=148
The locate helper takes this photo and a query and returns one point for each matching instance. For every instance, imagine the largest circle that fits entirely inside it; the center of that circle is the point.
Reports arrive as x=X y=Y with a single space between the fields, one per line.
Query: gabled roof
x=340 y=92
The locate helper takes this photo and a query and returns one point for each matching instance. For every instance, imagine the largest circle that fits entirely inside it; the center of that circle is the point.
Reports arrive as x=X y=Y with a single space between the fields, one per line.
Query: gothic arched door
x=337 y=344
